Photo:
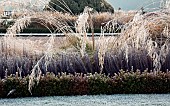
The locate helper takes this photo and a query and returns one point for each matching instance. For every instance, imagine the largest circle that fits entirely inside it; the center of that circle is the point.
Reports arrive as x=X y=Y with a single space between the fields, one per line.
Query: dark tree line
x=77 y=6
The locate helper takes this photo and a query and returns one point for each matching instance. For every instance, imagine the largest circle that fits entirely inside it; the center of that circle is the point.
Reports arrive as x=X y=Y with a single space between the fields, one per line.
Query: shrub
x=98 y=84
x=91 y=84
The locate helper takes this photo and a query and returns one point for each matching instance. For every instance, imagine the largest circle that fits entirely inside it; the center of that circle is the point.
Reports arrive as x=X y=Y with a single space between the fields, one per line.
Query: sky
x=132 y=4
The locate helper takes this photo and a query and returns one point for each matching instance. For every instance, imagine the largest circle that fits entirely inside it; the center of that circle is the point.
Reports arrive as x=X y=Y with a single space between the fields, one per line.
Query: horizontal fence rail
x=57 y=34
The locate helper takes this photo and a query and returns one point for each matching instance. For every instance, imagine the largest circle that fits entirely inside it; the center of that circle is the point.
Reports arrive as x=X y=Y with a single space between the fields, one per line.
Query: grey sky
x=132 y=4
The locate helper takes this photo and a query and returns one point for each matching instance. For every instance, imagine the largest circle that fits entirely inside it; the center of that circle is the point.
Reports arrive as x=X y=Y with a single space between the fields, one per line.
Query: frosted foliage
x=36 y=71
x=165 y=4
x=19 y=25
x=24 y=4
x=145 y=34
x=82 y=25
x=137 y=18
x=35 y=75
x=82 y=21
x=141 y=35
x=102 y=48
x=26 y=12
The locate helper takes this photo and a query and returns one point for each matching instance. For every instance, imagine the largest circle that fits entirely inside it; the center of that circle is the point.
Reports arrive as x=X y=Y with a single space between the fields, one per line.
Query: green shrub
x=91 y=84
x=98 y=84
x=2 y=30
x=79 y=86
x=44 y=30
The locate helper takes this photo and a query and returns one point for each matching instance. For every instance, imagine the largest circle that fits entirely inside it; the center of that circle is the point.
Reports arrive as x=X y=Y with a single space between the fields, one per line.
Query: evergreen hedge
x=82 y=84
x=44 y=30
x=77 y=6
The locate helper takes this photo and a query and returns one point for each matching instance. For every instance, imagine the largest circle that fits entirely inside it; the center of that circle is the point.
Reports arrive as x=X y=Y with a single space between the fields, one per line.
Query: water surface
x=100 y=100
x=134 y=4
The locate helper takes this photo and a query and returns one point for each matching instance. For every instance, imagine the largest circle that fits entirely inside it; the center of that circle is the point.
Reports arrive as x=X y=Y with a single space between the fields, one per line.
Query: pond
x=99 y=100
